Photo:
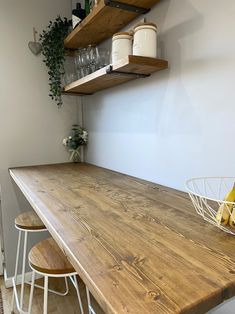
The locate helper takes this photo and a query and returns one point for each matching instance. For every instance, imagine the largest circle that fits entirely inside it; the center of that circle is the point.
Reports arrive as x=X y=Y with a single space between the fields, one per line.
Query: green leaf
x=52 y=41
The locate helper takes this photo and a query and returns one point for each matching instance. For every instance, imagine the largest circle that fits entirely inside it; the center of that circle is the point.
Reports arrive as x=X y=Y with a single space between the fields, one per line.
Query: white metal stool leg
x=33 y=285
x=23 y=269
x=19 y=298
x=78 y=293
x=62 y=294
x=90 y=308
x=31 y=293
x=45 y=295
x=73 y=278
x=66 y=287
x=16 y=267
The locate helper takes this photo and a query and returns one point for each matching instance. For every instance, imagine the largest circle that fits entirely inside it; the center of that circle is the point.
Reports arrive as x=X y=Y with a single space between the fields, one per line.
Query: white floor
x=228 y=307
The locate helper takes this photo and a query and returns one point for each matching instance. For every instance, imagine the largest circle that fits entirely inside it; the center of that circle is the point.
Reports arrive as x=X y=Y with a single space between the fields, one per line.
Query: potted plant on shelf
x=77 y=139
x=53 y=50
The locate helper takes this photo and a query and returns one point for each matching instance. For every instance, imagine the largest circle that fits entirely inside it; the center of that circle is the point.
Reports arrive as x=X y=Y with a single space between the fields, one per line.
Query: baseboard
x=8 y=280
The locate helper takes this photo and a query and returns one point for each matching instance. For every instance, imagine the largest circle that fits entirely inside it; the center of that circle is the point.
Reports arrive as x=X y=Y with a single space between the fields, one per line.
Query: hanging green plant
x=53 y=50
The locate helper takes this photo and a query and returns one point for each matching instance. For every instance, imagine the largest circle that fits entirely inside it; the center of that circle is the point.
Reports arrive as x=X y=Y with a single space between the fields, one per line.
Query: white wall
x=178 y=123
x=31 y=125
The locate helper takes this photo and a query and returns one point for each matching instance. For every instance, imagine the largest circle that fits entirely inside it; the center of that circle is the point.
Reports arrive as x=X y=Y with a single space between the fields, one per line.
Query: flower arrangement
x=78 y=138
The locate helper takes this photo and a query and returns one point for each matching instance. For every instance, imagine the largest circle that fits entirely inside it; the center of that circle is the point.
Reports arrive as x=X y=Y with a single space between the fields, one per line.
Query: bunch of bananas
x=226 y=212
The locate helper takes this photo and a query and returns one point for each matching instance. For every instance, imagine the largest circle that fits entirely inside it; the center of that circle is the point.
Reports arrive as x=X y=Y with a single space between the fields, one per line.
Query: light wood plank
x=138 y=246
x=47 y=257
x=30 y=221
x=100 y=80
x=102 y=23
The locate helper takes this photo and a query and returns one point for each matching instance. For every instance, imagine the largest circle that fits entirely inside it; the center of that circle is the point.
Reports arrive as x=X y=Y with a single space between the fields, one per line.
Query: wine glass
x=104 y=57
x=70 y=74
x=94 y=56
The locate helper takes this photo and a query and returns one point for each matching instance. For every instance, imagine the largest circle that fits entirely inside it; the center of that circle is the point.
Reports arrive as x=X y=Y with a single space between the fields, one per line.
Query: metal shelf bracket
x=109 y=70
x=126 y=7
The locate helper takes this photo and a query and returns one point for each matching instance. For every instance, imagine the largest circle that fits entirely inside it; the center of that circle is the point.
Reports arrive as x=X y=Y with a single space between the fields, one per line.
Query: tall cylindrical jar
x=121 y=46
x=145 y=40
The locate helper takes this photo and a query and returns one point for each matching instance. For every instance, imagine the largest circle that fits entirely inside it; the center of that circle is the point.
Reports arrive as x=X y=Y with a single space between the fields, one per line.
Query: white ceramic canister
x=121 y=46
x=145 y=40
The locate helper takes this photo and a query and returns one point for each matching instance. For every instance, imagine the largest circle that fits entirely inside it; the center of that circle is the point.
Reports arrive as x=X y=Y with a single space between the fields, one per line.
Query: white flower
x=65 y=141
x=84 y=136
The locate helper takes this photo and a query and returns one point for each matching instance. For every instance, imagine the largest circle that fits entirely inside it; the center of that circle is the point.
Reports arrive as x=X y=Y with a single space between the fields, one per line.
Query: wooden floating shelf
x=105 y=20
x=127 y=69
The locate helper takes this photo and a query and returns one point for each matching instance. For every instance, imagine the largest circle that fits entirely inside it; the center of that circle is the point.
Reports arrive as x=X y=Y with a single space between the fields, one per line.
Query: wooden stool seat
x=48 y=260
x=29 y=221
x=46 y=257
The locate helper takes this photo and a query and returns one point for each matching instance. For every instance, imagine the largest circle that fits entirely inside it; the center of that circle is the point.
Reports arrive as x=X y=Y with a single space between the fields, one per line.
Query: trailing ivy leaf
x=52 y=41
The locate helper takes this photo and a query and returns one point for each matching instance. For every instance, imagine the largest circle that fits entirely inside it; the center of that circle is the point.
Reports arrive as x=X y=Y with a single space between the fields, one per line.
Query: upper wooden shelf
x=104 y=21
x=127 y=69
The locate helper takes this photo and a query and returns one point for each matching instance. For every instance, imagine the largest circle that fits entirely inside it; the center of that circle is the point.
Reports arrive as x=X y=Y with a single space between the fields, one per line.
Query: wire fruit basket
x=208 y=195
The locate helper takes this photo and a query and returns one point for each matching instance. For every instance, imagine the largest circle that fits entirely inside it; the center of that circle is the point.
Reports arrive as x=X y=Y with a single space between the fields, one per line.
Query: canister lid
x=122 y=35
x=148 y=25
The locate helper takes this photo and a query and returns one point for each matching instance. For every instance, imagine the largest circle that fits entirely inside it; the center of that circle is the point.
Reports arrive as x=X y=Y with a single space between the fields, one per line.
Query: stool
x=26 y=222
x=48 y=260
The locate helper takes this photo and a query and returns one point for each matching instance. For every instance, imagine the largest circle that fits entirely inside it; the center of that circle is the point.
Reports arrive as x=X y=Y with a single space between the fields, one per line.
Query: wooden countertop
x=138 y=246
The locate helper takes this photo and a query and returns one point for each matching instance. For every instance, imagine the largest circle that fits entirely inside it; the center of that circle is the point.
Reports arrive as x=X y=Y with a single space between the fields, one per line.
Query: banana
x=224 y=211
x=232 y=218
x=223 y=214
x=230 y=197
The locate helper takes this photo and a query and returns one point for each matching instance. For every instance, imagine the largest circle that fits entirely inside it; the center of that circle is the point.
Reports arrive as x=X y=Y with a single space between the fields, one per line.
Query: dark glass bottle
x=87 y=7
x=78 y=15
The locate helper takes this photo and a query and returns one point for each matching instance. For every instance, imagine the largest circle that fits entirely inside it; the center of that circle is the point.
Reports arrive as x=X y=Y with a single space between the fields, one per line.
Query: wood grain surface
x=100 y=80
x=140 y=247
x=30 y=221
x=102 y=23
x=47 y=257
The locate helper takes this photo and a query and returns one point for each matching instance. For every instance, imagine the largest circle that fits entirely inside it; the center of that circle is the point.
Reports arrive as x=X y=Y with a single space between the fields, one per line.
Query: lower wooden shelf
x=127 y=69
